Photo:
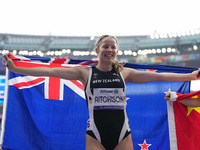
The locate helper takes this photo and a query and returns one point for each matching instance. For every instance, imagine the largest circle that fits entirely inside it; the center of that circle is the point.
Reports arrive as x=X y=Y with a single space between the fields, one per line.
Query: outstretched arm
x=74 y=73
x=135 y=76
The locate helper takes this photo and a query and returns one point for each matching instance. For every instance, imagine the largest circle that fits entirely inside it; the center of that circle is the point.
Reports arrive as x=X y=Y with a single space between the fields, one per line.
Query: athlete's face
x=107 y=51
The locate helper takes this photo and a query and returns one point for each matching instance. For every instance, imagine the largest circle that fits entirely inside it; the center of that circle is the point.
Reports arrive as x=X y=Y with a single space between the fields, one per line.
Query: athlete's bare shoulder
x=82 y=68
x=127 y=72
x=84 y=72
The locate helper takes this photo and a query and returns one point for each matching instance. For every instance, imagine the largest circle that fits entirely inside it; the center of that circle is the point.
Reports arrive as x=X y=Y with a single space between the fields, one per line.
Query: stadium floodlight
x=14 y=52
x=48 y=53
x=174 y=34
x=64 y=51
x=87 y=53
x=52 y=53
x=188 y=33
x=34 y=52
x=183 y=33
x=134 y=54
x=75 y=53
x=164 y=50
x=120 y=53
x=41 y=54
x=91 y=38
x=68 y=51
x=146 y=51
x=153 y=51
x=192 y=32
x=170 y=35
x=179 y=34
x=156 y=36
x=163 y=35
x=30 y=53
x=149 y=51
x=81 y=53
x=20 y=52
x=5 y=51
x=195 y=47
x=173 y=50
x=152 y=36
x=93 y=53
x=169 y=50
x=128 y=52
x=140 y=52
x=58 y=53
x=25 y=52
x=158 y=50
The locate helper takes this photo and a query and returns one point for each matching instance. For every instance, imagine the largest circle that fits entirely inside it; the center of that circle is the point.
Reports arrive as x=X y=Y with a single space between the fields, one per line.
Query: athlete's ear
x=117 y=51
x=97 y=51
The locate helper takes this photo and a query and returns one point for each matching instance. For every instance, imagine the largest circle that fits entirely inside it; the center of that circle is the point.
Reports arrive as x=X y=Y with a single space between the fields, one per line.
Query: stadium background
x=173 y=49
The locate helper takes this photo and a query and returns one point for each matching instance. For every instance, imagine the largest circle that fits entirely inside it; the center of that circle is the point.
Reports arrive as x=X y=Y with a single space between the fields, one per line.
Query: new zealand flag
x=47 y=113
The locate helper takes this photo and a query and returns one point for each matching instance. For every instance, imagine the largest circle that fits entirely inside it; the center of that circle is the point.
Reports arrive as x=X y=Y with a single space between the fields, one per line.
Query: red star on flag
x=151 y=70
x=144 y=146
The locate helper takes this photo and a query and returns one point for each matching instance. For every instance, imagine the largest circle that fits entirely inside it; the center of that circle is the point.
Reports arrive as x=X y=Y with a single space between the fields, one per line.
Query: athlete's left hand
x=196 y=74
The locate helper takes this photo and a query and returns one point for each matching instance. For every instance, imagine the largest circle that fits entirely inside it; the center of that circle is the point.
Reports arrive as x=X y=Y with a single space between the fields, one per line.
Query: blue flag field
x=46 y=113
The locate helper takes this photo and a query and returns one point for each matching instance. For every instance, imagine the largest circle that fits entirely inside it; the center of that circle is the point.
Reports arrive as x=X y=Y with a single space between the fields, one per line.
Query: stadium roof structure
x=46 y=43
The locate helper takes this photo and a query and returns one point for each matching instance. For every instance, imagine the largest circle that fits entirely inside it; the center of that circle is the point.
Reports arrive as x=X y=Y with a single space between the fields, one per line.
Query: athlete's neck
x=104 y=67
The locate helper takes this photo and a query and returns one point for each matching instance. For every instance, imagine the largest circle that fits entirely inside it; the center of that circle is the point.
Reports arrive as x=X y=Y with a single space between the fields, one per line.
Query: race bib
x=109 y=98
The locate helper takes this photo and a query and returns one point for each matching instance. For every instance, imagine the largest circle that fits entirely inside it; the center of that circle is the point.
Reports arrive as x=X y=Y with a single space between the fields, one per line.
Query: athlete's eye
x=105 y=46
x=114 y=47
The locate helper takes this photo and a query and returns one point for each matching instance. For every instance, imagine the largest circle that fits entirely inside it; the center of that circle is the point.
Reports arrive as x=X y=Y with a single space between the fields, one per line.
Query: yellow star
x=191 y=108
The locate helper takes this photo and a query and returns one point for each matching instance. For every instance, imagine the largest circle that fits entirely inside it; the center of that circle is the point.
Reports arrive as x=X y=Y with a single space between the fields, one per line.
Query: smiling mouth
x=108 y=55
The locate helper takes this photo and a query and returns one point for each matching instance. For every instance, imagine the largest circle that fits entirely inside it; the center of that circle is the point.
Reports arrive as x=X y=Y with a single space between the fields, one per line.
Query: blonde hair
x=115 y=64
x=100 y=40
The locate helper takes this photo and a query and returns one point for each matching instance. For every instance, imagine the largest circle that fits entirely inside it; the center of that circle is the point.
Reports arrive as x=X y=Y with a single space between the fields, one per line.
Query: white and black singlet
x=106 y=98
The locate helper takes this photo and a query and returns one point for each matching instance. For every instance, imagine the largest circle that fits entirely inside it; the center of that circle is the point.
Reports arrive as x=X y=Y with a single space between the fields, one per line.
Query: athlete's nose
x=109 y=49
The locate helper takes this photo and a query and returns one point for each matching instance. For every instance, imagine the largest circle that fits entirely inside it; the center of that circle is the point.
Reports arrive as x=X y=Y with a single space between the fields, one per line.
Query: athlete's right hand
x=8 y=62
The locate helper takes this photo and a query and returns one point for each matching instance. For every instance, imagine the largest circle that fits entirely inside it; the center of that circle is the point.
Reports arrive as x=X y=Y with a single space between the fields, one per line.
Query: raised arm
x=135 y=76
x=74 y=73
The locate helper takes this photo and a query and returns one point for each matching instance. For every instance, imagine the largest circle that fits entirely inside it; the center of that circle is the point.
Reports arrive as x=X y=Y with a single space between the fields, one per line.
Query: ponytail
x=118 y=66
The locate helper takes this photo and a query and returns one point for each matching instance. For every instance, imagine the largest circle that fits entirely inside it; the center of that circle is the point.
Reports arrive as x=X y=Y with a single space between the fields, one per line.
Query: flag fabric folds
x=174 y=96
x=51 y=114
